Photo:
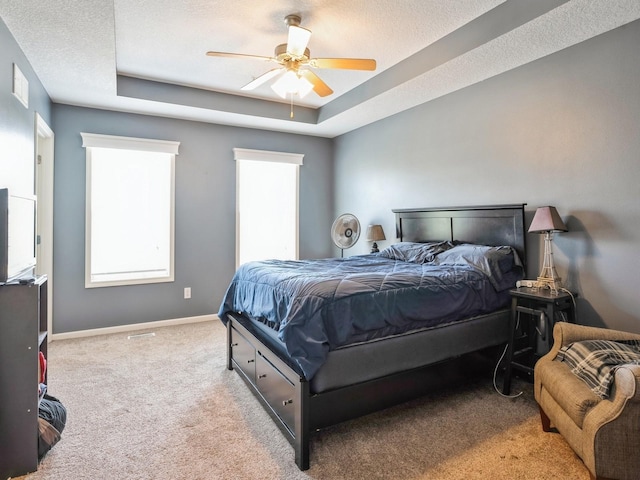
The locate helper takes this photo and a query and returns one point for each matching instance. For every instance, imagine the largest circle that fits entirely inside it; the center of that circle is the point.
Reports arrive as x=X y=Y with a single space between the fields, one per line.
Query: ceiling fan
x=294 y=58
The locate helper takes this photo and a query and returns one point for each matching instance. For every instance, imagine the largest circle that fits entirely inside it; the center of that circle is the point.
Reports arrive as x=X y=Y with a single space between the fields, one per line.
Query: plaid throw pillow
x=595 y=361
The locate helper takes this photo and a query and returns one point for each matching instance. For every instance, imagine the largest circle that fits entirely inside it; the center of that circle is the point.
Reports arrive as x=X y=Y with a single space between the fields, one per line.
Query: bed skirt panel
x=374 y=359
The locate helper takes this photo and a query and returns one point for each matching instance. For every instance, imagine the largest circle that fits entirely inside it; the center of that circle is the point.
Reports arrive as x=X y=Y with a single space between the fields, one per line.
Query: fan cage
x=345 y=231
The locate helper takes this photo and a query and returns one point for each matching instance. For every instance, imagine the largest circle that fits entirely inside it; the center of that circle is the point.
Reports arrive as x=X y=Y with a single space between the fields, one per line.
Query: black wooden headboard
x=483 y=225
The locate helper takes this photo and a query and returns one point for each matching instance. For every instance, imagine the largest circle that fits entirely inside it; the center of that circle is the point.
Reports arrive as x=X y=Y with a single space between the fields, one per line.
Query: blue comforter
x=319 y=305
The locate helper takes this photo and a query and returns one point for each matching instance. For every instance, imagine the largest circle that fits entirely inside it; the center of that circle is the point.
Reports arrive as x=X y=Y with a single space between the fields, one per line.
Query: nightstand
x=534 y=312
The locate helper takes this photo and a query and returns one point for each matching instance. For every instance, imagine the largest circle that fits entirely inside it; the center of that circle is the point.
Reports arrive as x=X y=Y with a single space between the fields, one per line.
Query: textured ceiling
x=148 y=56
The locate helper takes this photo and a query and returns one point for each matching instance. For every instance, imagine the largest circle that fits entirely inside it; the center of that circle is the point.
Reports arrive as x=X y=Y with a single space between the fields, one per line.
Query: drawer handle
x=287 y=402
x=234 y=345
x=262 y=376
x=250 y=361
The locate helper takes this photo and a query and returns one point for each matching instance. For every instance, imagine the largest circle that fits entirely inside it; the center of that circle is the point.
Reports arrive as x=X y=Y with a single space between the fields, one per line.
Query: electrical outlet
x=187 y=292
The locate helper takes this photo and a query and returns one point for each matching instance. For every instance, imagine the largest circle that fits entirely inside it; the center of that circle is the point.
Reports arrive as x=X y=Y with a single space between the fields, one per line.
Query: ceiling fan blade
x=238 y=55
x=319 y=86
x=344 y=63
x=265 y=77
x=297 y=40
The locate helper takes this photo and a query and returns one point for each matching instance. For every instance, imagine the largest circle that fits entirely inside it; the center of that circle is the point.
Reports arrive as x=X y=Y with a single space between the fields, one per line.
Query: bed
x=309 y=371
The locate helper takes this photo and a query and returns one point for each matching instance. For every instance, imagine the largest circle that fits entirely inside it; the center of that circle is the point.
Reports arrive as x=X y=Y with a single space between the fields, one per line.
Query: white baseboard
x=132 y=327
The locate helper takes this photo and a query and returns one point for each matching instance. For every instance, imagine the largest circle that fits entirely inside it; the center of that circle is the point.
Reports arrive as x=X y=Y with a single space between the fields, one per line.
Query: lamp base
x=554 y=284
x=374 y=248
x=548 y=277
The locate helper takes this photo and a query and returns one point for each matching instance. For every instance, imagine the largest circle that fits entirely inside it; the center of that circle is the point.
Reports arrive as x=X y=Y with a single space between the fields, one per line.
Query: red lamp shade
x=547 y=219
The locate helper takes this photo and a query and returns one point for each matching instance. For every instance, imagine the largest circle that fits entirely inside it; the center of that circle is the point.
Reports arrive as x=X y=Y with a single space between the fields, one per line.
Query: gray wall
x=17 y=123
x=562 y=131
x=205 y=215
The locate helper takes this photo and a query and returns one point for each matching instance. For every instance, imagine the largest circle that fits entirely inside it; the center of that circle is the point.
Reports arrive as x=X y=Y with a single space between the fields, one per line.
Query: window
x=129 y=229
x=266 y=205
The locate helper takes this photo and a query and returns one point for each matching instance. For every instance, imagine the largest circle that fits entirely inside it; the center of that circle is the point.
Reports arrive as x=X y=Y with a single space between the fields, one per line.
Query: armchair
x=604 y=433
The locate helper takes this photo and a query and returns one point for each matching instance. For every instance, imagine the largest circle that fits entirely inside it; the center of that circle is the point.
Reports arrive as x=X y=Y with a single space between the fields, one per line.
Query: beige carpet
x=165 y=407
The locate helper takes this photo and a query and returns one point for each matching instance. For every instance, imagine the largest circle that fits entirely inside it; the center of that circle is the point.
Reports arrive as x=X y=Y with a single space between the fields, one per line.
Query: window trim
x=267 y=156
x=92 y=140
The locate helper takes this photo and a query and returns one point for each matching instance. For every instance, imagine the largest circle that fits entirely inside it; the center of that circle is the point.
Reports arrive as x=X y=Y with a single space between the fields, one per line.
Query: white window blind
x=129 y=211
x=266 y=205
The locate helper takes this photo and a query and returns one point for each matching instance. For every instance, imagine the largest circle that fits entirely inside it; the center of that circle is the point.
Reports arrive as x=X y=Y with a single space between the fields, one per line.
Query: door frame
x=44 y=162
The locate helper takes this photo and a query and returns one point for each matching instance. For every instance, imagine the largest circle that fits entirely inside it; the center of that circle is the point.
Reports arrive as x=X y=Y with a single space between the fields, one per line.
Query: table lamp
x=375 y=234
x=547 y=220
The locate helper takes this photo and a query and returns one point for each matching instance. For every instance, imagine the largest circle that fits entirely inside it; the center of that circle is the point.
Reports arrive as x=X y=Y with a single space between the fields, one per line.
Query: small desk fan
x=345 y=231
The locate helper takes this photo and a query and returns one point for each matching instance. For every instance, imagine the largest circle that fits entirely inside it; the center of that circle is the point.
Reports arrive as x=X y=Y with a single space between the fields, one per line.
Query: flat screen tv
x=17 y=235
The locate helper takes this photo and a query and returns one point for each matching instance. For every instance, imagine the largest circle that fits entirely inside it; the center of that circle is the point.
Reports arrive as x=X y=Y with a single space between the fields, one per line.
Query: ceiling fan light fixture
x=304 y=87
x=298 y=40
x=292 y=84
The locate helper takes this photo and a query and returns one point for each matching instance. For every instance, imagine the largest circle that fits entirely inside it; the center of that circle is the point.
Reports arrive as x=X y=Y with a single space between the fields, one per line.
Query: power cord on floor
x=495 y=371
